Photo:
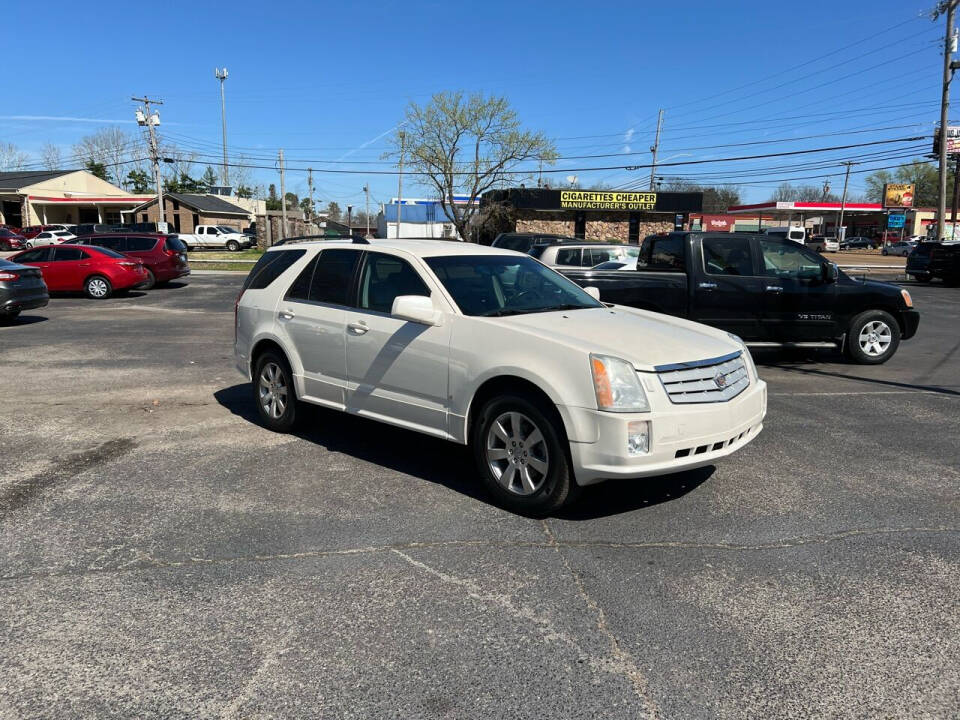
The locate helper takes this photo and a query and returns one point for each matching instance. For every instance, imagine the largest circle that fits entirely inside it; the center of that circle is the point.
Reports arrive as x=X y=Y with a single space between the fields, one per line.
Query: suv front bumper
x=681 y=437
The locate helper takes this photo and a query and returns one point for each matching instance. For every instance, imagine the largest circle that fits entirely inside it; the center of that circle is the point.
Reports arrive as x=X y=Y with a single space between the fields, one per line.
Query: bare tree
x=239 y=174
x=466 y=145
x=109 y=146
x=11 y=157
x=50 y=157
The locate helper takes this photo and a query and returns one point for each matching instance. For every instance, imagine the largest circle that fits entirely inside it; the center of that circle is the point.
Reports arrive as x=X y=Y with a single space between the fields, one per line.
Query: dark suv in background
x=522 y=242
x=164 y=256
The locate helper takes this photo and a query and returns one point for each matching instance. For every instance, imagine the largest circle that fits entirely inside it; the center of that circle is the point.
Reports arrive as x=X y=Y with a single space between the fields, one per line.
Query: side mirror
x=415 y=308
x=592 y=292
x=830 y=272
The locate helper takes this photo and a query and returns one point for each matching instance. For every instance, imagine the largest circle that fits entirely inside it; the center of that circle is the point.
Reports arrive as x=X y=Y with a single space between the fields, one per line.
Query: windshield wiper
x=524 y=311
x=501 y=312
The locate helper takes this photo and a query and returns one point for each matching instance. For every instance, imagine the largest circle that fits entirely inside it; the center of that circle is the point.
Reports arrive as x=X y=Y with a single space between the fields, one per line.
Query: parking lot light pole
x=221 y=75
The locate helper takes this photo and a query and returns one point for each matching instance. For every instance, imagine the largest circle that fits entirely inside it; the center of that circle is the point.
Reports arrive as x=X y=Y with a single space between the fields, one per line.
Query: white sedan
x=50 y=237
x=486 y=347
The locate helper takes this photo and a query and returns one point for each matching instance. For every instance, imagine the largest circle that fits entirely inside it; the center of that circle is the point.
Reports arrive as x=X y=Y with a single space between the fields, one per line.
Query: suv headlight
x=747 y=357
x=617 y=386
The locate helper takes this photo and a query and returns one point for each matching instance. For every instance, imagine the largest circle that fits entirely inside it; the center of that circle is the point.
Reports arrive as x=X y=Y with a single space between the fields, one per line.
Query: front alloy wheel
x=874 y=337
x=521 y=452
x=517 y=453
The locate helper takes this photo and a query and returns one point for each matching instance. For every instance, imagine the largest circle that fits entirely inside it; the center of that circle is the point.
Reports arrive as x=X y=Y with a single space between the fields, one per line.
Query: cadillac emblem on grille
x=720 y=380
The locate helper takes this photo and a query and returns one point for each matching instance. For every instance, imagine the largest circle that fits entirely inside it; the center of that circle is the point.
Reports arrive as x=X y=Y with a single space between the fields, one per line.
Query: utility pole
x=283 y=199
x=350 y=221
x=151 y=120
x=310 y=185
x=403 y=146
x=540 y=174
x=843 y=200
x=948 y=67
x=221 y=75
x=366 y=189
x=655 y=147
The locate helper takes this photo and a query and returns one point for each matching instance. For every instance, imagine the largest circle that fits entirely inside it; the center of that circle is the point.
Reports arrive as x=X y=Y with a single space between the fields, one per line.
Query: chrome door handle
x=286 y=315
x=358 y=327
x=774 y=289
x=707 y=285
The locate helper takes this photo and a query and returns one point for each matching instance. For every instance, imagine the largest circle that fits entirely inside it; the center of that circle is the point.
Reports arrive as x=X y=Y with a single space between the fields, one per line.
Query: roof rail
x=356 y=240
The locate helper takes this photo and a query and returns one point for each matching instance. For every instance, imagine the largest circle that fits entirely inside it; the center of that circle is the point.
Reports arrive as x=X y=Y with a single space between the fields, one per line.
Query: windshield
x=496 y=285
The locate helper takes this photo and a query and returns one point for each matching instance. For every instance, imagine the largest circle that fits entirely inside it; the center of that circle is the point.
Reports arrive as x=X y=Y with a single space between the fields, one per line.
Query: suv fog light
x=638 y=437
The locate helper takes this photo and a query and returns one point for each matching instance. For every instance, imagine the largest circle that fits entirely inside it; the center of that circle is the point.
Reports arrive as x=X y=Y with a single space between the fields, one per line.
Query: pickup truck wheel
x=521 y=455
x=233 y=245
x=9 y=318
x=874 y=337
x=273 y=392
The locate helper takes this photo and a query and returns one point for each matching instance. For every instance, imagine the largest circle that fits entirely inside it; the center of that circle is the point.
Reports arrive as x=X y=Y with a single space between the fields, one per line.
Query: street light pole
x=151 y=120
x=221 y=75
x=655 y=147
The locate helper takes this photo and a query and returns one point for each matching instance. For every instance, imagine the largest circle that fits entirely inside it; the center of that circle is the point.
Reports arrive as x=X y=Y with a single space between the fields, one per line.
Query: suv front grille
x=705 y=381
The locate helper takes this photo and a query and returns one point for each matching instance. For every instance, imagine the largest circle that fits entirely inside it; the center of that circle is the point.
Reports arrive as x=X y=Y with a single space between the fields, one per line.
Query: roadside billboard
x=898 y=195
x=953 y=140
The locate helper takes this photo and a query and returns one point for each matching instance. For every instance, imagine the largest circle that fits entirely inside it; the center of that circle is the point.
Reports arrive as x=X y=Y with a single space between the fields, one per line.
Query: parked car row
x=96 y=265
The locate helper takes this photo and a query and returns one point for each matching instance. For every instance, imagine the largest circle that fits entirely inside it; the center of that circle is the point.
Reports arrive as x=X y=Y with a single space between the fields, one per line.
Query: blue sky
x=326 y=80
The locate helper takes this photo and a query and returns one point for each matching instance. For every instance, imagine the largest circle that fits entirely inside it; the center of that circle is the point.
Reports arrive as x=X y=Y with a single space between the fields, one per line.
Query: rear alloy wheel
x=874 y=337
x=97 y=287
x=521 y=455
x=233 y=245
x=274 y=393
x=150 y=282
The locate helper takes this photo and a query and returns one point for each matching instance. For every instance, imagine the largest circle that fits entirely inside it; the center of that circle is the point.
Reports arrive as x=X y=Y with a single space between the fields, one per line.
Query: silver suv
x=584 y=254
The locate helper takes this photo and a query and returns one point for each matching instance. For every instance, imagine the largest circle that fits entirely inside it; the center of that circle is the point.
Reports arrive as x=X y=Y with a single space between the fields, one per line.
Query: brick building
x=186 y=211
x=625 y=216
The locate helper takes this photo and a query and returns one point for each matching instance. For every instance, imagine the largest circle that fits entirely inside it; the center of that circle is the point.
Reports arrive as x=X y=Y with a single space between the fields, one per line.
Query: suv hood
x=644 y=338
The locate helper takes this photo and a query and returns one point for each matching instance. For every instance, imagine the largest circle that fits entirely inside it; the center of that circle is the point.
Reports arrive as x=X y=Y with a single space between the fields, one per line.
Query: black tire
x=97 y=287
x=286 y=420
x=9 y=318
x=557 y=487
x=233 y=246
x=151 y=281
x=865 y=353
x=923 y=277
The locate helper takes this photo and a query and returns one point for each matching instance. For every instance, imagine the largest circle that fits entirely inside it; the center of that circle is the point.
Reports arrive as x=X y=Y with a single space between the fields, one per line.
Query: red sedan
x=96 y=271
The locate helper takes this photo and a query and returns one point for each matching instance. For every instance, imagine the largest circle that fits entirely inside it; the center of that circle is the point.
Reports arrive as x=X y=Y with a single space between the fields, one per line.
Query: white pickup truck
x=216 y=236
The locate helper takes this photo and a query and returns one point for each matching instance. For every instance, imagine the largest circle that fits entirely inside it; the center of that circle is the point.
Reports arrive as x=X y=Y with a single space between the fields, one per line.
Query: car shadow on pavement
x=23 y=320
x=874 y=381
x=451 y=465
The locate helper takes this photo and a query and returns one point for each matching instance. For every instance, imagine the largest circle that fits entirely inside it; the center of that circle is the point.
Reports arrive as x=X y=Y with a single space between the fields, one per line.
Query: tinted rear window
x=926 y=248
x=110 y=253
x=333 y=275
x=662 y=253
x=174 y=243
x=536 y=251
x=269 y=267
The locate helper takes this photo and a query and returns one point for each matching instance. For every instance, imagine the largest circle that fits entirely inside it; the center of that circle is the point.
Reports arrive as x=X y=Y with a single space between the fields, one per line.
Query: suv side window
x=569 y=256
x=269 y=267
x=728 y=256
x=386 y=277
x=140 y=244
x=790 y=260
x=117 y=243
x=332 y=275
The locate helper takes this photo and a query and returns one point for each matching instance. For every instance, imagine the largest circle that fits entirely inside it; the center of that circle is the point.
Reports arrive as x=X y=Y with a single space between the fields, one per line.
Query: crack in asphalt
x=624 y=663
x=148 y=561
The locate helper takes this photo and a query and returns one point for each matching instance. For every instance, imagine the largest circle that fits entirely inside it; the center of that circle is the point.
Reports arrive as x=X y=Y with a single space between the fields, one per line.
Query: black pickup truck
x=769 y=291
x=945 y=263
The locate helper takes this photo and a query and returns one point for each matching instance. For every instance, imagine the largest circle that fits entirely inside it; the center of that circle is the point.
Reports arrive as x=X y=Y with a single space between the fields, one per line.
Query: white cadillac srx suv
x=549 y=387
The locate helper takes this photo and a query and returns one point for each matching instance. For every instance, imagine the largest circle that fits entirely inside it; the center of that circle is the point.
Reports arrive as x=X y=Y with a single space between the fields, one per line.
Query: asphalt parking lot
x=161 y=555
